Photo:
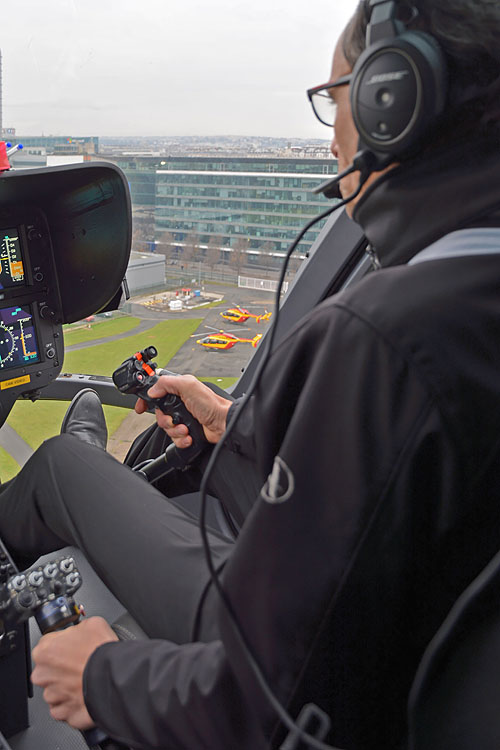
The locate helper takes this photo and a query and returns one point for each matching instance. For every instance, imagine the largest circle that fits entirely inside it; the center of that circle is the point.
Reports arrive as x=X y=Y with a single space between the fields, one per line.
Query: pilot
x=372 y=437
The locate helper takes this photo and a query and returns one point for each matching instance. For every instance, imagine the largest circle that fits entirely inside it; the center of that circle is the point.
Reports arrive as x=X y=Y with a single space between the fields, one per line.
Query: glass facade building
x=140 y=172
x=255 y=204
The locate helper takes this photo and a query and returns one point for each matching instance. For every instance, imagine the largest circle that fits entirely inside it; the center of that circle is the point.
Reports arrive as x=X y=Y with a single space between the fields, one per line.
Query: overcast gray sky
x=167 y=67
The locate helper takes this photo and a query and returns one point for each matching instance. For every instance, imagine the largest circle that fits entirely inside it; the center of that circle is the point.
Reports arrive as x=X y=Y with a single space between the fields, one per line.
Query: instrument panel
x=18 y=339
x=11 y=261
x=31 y=341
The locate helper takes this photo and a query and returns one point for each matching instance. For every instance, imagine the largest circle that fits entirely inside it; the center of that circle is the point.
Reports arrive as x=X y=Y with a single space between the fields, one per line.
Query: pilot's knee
x=56 y=449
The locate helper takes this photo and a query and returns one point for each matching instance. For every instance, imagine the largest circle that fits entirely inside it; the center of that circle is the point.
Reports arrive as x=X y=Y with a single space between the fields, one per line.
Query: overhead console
x=65 y=238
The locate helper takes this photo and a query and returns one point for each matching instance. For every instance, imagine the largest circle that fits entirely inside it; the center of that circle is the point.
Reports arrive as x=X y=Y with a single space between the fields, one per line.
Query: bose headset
x=398 y=87
x=399 y=83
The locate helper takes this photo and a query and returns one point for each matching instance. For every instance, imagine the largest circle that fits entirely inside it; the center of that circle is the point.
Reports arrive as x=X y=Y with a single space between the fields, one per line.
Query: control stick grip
x=174 y=406
x=136 y=375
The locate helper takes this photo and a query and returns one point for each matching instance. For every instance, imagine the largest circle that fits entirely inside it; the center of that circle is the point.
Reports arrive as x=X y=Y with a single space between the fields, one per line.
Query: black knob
x=46 y=312
x=26 y=599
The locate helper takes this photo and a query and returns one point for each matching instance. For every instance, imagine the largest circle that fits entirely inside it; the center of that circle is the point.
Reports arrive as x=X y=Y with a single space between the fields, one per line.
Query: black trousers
x=145 y=548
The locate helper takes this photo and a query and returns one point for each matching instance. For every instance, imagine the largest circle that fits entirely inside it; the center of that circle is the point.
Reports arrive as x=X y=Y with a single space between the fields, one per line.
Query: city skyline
x=105 y=68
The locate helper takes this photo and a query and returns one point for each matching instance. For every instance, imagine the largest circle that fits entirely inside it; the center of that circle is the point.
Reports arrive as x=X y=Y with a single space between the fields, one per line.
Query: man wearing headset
x=373 y=435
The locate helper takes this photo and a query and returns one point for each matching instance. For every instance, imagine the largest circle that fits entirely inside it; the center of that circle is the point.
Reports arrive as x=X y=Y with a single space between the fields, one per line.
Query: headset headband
x=382 y=22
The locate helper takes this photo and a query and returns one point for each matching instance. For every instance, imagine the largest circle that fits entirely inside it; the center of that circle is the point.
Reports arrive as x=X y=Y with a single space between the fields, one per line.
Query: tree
x=167 y=245
x=212 y=254
x=142 y=236
x=191 y=247
x=238 y=256
x=266 y=258
x=143 y=229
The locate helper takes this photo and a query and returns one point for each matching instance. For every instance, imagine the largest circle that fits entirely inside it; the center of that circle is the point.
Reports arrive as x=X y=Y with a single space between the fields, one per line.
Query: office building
x=253 y=205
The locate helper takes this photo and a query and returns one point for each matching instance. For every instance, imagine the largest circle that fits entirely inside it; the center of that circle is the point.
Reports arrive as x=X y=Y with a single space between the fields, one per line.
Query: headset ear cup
x=399 y=88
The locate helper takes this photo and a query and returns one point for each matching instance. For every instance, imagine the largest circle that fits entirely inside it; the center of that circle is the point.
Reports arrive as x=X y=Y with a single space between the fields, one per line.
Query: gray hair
x=468 y=32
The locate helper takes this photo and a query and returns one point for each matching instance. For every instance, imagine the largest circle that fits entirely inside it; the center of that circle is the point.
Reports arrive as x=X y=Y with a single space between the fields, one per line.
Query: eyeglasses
x=324 y=107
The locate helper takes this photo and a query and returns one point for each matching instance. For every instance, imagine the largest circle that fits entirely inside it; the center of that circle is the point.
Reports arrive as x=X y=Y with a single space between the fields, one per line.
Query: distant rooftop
x=216 y=146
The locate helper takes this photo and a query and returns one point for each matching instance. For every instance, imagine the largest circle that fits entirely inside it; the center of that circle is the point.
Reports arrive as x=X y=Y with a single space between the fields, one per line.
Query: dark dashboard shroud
x=87 y=208
x=65 y=236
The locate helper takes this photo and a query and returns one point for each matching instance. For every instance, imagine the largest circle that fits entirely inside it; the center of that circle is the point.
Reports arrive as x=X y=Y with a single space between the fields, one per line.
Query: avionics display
x=18 y=344
x=11 y=260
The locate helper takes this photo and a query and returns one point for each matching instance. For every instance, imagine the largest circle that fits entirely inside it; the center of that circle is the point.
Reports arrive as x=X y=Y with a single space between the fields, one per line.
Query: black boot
x=85 y=419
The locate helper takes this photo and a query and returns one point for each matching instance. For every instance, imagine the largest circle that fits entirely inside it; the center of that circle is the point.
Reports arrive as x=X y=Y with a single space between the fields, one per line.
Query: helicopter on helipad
x=240 y=315
x=223 y=340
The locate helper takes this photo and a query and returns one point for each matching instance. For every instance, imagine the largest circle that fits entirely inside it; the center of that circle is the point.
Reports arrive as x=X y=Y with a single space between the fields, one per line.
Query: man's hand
x=60 y=659
x=206 y=406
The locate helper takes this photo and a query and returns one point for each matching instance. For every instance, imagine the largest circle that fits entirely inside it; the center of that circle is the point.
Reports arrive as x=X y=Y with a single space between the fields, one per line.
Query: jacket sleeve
x=156 y=694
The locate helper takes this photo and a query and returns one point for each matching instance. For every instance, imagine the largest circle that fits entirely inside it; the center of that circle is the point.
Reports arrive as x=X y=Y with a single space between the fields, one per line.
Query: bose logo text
x=398 y=75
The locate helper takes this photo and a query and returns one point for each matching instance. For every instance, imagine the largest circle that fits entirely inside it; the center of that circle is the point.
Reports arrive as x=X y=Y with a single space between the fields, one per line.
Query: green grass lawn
x=99 y=330
x=38 y=421
x=101 y=359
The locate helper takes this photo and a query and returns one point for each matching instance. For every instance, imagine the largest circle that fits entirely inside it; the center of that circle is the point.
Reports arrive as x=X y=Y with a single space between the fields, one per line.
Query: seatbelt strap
x=463 y=242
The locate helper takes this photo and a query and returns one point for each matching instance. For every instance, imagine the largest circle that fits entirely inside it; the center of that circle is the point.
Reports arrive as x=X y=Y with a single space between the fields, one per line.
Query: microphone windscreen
x=333 y=191
x=330 y=188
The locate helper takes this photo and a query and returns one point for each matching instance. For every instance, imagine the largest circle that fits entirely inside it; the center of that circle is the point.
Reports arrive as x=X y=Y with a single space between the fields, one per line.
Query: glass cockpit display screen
x=11 y=260
x=18 y=343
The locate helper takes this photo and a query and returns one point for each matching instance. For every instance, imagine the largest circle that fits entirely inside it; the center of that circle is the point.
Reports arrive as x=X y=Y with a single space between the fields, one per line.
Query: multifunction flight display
x=11 y=261
x=18 y=344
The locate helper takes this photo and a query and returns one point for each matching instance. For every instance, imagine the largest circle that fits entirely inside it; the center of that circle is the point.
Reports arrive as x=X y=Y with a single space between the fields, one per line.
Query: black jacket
x=383 y=408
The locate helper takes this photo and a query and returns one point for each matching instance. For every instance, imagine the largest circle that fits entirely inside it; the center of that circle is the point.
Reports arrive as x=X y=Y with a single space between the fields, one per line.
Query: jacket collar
x=421 y=200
